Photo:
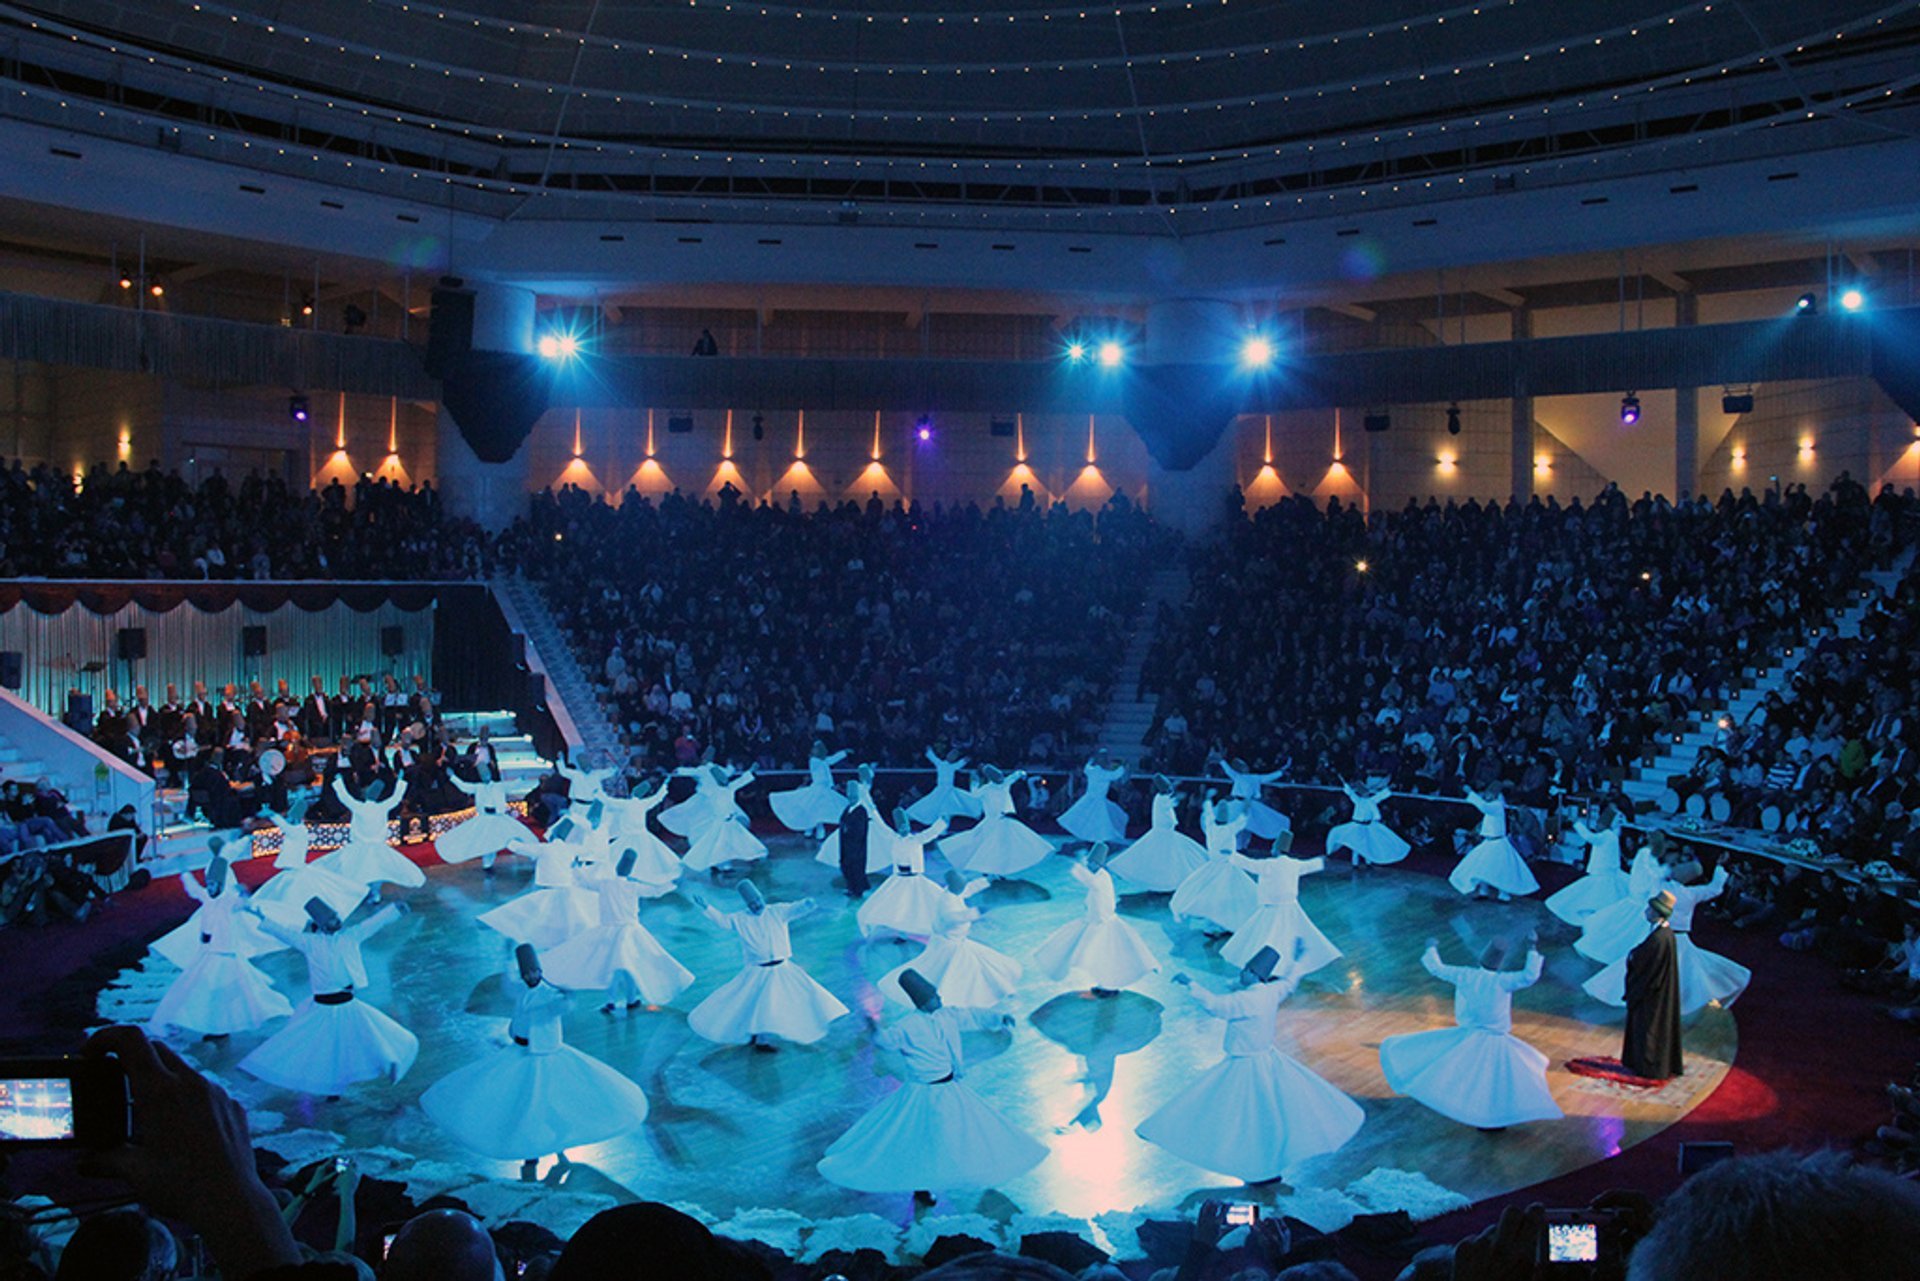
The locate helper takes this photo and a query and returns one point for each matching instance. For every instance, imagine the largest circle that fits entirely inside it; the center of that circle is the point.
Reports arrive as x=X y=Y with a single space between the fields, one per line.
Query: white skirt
x=968 y=975
x=182 y=944
x=325 y=1048
x=1576 y=903
x=999 y=846
x=1277 y=925
x=219 y=994
x=689 y=817
x=1704 y=976
x=767 y=1000
x=1614 y=931
x=1265 y=822
x=904 y=905
x=625 y=959
x=656 y=868
x=930 y=1136
x=1254 y=1117
x=545 y=917
x=370 y=864
x=879 y=849
x=727 y=842
x=1094 y=819
x=483 y=834
x=1471 y=1075
x=943 y=802
x=1108 y=953
x=1496 y=863
x=283 y=899
x=1159 y=861
x=805 y=808
x=515 y=1104
x=1372 y=842
x=1218 y=892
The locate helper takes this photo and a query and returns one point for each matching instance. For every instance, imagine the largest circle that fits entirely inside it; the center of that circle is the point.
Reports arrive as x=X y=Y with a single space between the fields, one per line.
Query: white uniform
x=554 y=910
x=283 y=897
x=334 y=1039
x=619 y=954
x=1159 y=861
x=656 y=868
x=367 y=857
x=1259 y=1112
x=907 y=903
x=1218 y=893
x=1477 y=1072
x=934 y=1131
x=1370 y=839
x=492 y=828
x=880 y=836
x=1100 y=947
x=945 y=801
x=727 y=840
x=965 y=971
x=816 y=804
x=1622 y=925
x=183 y=943
x=1094 y=818
x=1263 y=821
x=1604 y=882
x=1704 y=976
x=999 y=844
x=1493 y=862
x=219 y=992
x=772 y=995
x=1277 y=918
x=712 y=802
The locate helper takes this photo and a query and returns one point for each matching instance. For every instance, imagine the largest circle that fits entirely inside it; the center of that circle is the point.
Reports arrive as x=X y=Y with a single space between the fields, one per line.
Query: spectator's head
x=119 y=1245
x=442 y=1245
x=1784 y=1217
x=644 y=1241
x=1317 y=1270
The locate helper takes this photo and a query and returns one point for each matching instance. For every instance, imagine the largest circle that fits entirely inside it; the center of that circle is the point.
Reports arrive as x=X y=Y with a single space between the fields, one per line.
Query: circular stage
x=733 y=1131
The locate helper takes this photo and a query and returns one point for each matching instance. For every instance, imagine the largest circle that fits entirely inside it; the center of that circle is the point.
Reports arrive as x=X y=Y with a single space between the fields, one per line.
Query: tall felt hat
x=321 y=913
x=1664 y=902
x=529 y=962
x=1263 y=963
x=922 y=993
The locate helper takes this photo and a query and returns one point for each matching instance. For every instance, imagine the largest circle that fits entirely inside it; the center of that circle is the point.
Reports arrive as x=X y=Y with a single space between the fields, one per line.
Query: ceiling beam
x=1670 y=279
x=1505 y=297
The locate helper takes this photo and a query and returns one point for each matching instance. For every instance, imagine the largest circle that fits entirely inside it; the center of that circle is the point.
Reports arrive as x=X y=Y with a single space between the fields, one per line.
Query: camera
x=1581 y=1243
x=1242 y=1214
x=64 y=1102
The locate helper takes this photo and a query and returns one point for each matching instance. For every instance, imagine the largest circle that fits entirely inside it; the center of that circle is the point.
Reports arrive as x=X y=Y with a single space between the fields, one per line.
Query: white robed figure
x=1705 y=977
x=1259 y=1112
x=555 y=909
x=584 y=787
x=879 y=833
x=367 y=857
x=1477 y=1072
x=1493 y=864
x=1604 y=883
x=1100 y=947
x=771 y=995
x=334 y=1038
x=934 y=1131
x=247 y=940
x=1619 y=927
x=1094 y=818
x=1218 y=894
x=1365 y=836
x=1165 y=857
x=999 y=844
x=619 y=955
x=492 y=831
x=711 y=800
x=536 y=1094
x=726 y=838
x=966 y=972
x=283 y=897
x=1264 y=823
x=1278 y=920
x=811 y=807
x=945 y=801
x=907 y=903
x=656 y=868
x=219 y=992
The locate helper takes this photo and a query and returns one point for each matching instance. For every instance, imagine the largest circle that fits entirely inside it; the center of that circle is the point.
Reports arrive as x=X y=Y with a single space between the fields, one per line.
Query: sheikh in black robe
x=1652 y=1045
x=853 y=849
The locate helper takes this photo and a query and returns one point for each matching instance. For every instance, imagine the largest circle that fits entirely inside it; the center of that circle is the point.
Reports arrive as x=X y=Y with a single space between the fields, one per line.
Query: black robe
x=853 y=850
x=1652 y=1045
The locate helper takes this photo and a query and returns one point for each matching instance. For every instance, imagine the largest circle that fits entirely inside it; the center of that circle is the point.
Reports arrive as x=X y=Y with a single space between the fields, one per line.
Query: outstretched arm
x=194 y=889
x=1514 y=980
x=340 y=790
x=837 y=757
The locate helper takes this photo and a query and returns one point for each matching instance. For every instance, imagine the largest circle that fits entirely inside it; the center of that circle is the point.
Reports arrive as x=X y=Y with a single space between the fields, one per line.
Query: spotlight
x=1256 y=352
x=1453 y=420
x=1853 y=300
x=298 y=408
x=306 y=304
x=157 y=289
x=1076 y=352
x=1360 y=566
x=126 y=282
x=1805 y=305
x=924 y=428
x=1629 y=410
x=558 y=346
x=1111 y=354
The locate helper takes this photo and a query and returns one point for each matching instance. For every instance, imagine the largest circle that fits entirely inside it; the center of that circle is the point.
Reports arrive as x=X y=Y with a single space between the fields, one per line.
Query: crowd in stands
x=751 y=631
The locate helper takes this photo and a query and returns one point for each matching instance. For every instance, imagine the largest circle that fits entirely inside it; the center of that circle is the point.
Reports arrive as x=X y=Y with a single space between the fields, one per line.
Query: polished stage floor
x=735 y=1130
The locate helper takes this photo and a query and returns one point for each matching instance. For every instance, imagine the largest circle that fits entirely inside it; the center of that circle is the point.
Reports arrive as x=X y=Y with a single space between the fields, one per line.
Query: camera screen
x=1573 y=1243
x=1242 y=1213
x=36 y=1108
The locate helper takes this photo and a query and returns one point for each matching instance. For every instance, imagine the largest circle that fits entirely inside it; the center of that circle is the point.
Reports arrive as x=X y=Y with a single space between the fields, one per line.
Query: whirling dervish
x=1477 y=1072
x=934 y=1131
x=283 y=897
x=219 y=992
x=182 y=944
x=1604 y=883
x=555 y=909
x=1259 y=1112
x=1365 y=836
x=771 y=996
x=1705 y=977
x=619 y=954
x=1165 y=857
x=584 y=786
x=908 y=904
x=724 y=837
x=367 y=857
x=1219 y=894
x=966 y=971
x=814 y=805
x=656 y=868
x=1094 y=818
x=1278 y=920
x=713 y=800
x=1493 y=865
x=1613 y=931
x=945 y=801
x=492 y=831
x=536 y=1094
x=1100 y=947
x=1264 y=822
x=334 y=1038
x=999 y=844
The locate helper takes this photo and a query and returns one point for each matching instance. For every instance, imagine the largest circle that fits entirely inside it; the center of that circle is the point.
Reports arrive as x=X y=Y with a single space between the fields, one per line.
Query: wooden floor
x=731 y=1129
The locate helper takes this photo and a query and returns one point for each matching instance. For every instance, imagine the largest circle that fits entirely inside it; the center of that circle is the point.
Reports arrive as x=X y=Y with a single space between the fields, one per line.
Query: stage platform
x=733 y=1131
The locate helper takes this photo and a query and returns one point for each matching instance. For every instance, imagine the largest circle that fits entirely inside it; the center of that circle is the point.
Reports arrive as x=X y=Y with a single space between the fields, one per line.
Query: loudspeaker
x=13 y=669
x=393 y=641
x=536 y=690
x=253 y=642
x=79 y=716
x=131 y=643
x=449 y=329
x=1695 y=1157
x=680 y=424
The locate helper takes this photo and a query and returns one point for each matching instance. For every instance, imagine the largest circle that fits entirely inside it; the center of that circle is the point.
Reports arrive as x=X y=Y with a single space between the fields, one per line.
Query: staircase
x=573 y=687
x=1123 y=732
x=1652 y=779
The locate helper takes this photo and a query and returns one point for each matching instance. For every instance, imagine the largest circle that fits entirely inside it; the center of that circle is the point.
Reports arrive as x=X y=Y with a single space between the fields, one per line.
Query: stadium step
x=1128 y=717
x=572 y=686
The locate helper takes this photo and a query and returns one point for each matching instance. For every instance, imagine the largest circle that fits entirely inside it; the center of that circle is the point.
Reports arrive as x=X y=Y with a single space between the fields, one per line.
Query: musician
x=316 y=712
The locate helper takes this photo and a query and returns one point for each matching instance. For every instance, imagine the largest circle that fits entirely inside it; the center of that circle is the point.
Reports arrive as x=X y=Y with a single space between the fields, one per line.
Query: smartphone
x=1242 y=1214
x=64 y=1102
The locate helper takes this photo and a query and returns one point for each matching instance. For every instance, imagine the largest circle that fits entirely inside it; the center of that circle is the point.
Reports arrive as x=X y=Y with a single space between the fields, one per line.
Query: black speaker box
x=132 y=643
x=393 y=641
x=13 y=669
x=253 y=642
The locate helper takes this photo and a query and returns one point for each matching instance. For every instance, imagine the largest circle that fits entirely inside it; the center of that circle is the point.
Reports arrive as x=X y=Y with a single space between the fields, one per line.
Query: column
x=492 y=494
x=1686 y=413
x=1195 y=331
x=1522 y=403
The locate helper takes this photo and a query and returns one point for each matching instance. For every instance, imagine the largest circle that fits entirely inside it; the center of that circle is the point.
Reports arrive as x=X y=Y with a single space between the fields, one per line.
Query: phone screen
x=36 y=1108
x=1573 y=1243
x=386 y=1245
x=1242 y=1213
